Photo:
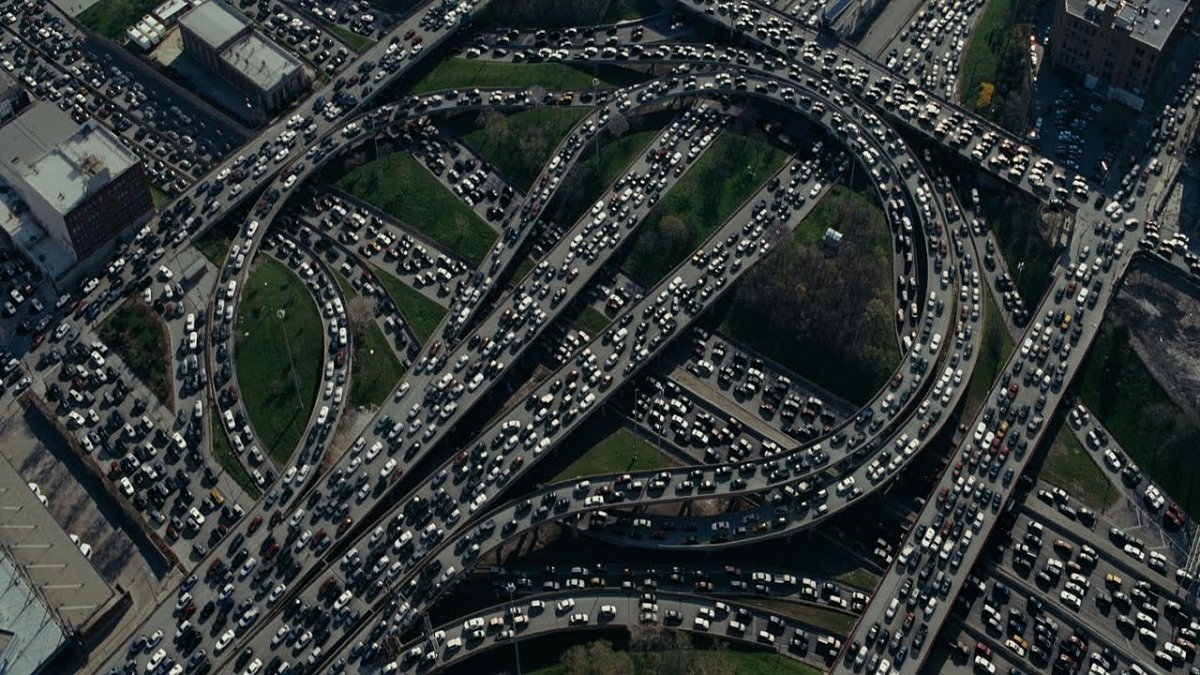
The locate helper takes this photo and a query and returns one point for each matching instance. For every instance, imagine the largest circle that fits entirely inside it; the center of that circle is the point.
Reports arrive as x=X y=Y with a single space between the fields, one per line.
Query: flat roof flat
x=263 y=61
x=63 y=161
x=1148 y=21
x=32 y=634
x=214 y=22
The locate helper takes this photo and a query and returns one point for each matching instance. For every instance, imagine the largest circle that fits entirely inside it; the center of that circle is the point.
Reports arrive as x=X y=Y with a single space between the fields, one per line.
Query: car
x=579 y=618
x=224 y=641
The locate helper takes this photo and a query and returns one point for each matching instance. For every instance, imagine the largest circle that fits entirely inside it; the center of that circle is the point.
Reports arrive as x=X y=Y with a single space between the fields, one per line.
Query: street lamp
x=512 y=619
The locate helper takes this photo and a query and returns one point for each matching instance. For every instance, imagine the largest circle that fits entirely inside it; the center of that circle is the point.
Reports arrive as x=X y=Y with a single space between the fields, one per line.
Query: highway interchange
x=320 y=536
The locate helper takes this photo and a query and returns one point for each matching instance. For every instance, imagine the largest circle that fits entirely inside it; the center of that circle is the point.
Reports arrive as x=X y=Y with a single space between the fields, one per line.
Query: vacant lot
x=713 y=188
x=137 y=333
x=1157 y=434
x=826 y=317
x=519 y=144
x=399 y=185
x=422 y=314
x=280 y=354
x=110 y=18
x=215 y=245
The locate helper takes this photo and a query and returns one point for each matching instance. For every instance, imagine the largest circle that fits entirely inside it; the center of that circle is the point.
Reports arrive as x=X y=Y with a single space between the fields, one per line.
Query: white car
x=223 y=642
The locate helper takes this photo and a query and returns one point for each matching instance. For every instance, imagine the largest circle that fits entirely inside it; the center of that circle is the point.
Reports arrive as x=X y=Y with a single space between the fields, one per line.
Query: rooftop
x=64 y=162
x=31 y=633
x=1148 y=21
x=261 y=60
x=214 y=22
x=7 y=85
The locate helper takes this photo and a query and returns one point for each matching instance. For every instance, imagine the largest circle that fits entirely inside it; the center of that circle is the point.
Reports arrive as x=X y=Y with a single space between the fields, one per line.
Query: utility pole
x=512 y=620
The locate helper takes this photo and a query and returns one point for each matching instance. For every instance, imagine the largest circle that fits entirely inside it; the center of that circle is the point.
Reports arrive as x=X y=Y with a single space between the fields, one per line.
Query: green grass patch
x=995 y=77
x=521 y=143
x=137 y=333
x=1123 y=394
x=620 y=451
x=279 y=361
x=995 y=346
x=357 y=43
x=215 y=247
x=592 y=320
x=158 y=197
x=712 y=189
x=1016 y=219
x=422 y=314
x=462 y=73
x=374 y=370
x=111 y=18
x=1069 y=467
x=228 y=461
x=859 y=578
x=396 y=6
x=521 y=271
x=819 y=617
x=827 y=316
x=399 y=185
x=557 y=14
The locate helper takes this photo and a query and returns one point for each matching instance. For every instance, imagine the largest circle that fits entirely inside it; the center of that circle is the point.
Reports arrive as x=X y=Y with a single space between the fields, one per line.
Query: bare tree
x=360 y=312
x=618 y=125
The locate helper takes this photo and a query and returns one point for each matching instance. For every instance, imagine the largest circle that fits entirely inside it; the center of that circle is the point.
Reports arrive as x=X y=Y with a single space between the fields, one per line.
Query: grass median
x=422 y=314
x=137 y=333
x=713 y=187
x=374 y=370
x=619 y=452
x=995 y=346
x=280 y=354
x=519 y=144
x=356 y=42
x=1156 y=434
x=1069 y=466
x=462 y=73
x=399 y=185
x=830 y=620
x=228 y=461
x=828 y=316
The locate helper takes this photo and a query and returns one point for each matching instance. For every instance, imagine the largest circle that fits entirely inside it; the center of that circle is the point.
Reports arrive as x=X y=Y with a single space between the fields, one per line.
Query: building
x=223 y=41
x=79 y=182
x=1118 y=47
x=13 y=98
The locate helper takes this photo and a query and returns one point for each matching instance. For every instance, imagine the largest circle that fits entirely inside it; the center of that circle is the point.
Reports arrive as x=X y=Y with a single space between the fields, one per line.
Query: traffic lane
x=711 y=580
x=547 y=618
x=1098 y=620
x=143 y=447
x=1126 y=565
x=804 y=34
x=927 y=516
x=1067 y=619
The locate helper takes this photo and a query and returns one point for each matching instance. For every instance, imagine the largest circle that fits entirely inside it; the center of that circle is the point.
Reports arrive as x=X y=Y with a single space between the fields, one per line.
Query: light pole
x=595 y=85
x=512 y=619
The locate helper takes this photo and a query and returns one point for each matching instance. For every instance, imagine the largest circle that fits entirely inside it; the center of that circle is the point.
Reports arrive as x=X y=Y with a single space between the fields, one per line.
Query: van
x=893 y=606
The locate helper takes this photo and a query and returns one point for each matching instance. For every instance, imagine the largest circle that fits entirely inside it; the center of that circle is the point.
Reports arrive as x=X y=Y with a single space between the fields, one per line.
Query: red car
x=344 y=525
x=271 y=551
x=254 y=524
x=187 y=612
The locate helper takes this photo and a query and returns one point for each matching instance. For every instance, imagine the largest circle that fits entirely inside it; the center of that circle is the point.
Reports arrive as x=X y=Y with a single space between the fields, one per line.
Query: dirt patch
x=1165 y=331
